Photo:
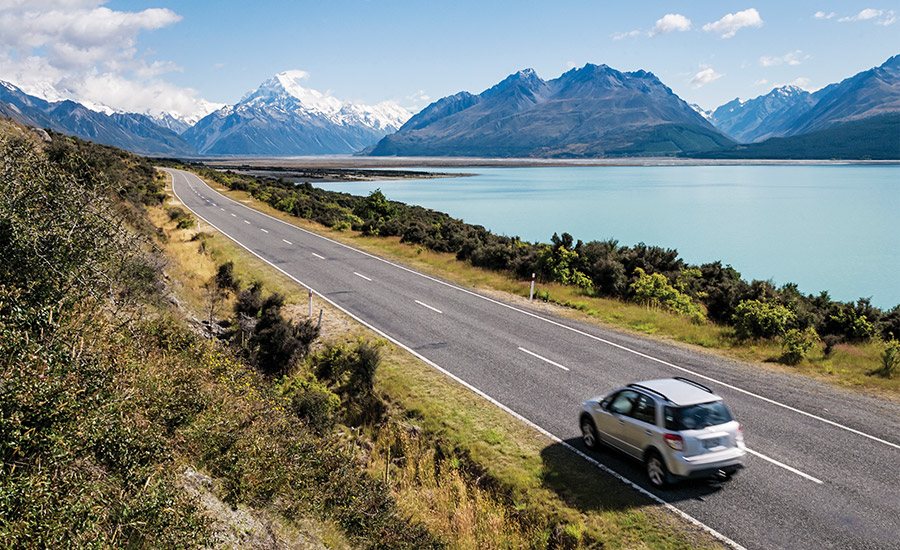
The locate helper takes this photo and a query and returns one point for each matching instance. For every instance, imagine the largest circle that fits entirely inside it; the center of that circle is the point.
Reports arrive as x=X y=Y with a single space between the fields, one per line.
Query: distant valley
x=590 y=112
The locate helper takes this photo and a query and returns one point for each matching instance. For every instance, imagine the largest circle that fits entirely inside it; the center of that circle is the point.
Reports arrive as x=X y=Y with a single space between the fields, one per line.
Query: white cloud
x=802 y=82
x=704 y=77
x=671 y=22
x=761 y=82
x=733 y=22
x=793 y=58
x=418 y=96
x=82 y=50
x=889 y=19
x=882 y=17
x=865 y=14
x=623 y=35
x=823 y=15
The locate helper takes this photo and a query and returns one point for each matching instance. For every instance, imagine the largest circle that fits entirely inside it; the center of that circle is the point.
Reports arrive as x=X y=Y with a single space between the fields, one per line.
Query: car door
x=611 y=422
x=639 y=425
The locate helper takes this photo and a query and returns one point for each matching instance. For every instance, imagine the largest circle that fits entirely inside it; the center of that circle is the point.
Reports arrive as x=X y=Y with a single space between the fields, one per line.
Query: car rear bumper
x=707 y=465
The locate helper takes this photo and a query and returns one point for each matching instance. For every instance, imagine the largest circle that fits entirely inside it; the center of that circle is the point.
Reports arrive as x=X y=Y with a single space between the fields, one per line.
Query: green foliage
x=312 y=401
x=890 y=360
x=277 y=343
x=558 y=263
x=225 y=278
x=374 y=207
x=756 y=319
x=350 y=371
x=654 y=291
x=796 y=344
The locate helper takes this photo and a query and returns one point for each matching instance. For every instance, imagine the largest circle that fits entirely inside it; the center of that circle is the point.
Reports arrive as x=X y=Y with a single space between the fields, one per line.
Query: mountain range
x=789 y=111
x=592 y=111
x=282 y=117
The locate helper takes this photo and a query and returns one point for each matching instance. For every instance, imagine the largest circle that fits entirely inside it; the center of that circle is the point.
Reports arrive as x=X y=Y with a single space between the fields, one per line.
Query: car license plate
x=712 y=442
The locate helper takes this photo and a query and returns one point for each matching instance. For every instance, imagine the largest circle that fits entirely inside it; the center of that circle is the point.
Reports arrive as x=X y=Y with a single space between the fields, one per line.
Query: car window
x=695 y=417
x=623 y=402
x=644 y=409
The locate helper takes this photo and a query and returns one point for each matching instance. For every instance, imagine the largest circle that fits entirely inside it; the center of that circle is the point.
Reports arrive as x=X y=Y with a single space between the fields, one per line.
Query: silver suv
x=677 y=427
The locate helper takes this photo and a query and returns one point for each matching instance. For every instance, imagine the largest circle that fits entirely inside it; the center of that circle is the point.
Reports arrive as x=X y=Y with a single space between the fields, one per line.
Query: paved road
x=825 y=468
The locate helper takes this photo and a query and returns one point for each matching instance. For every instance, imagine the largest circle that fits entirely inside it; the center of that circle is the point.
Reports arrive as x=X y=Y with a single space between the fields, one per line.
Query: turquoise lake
x=823 y=227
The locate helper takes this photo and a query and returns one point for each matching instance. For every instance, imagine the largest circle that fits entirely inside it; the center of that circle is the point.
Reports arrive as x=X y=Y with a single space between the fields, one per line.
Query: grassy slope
x=538 y=493
x=848 y=366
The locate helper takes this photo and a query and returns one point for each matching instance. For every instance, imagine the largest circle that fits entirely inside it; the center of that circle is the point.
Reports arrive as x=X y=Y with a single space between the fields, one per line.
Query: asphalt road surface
x=824 y=468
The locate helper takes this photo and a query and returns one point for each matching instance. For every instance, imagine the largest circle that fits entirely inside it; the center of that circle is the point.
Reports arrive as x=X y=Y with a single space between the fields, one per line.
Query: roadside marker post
x=531 y=296
x=310 y=303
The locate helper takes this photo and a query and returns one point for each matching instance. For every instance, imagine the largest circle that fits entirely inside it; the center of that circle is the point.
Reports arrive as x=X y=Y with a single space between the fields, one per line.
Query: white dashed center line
x=287 y=241
x=423 y=304
x=362 y=276
x=245 y=221
x=263 y=230
x=786 y=467
x=322 y=258
x=554 y=363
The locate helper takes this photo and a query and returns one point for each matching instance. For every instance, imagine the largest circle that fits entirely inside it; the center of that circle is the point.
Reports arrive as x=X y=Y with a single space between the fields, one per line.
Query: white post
x=531 y=296
x=310 y=303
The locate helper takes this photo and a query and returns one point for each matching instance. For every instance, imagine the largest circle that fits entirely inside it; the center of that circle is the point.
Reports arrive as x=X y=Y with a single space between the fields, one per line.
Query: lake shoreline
x=358 y=162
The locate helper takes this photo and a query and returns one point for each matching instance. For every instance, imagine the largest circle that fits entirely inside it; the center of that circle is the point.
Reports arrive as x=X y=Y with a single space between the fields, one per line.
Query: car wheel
x=589 y=433
x=657 y=472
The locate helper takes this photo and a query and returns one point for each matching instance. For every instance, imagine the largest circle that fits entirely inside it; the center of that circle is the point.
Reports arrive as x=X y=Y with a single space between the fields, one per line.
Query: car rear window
x=695 y=417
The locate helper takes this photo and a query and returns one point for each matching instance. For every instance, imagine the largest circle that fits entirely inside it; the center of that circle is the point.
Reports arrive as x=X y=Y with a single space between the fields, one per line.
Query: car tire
x=657 y=472
x=589 y=433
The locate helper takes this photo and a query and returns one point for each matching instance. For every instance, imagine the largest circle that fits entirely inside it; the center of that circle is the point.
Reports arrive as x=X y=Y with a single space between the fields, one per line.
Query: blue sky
x=140 y=55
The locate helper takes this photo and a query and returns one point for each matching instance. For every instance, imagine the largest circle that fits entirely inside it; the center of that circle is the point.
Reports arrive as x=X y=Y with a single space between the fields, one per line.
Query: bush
x=312 y=401
x=655 y=291
x=755 y=319
x=890 y=360
x=797 y=344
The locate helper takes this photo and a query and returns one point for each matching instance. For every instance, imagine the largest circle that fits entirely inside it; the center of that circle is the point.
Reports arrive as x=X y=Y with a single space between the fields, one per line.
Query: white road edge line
x=786 y=467
x=423 y=304
x=318 y=256
x=287 y=241
x=554 y=363
x=684 y=515
x=571 y=329
x=362 y=276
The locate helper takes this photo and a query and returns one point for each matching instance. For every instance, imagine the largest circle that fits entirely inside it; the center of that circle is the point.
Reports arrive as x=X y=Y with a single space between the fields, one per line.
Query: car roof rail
x=693 y=383
x=650 y=390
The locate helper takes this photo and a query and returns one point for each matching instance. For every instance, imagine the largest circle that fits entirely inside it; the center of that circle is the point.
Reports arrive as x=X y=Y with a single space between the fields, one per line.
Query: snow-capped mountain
x=178 y=122
x=131 y=131
x=766 y=116
x=281 y=117
x=790 y=111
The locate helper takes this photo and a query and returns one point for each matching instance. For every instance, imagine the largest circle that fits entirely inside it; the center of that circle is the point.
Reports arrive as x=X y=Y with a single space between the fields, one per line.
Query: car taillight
x=674 y=441
x=740 y=434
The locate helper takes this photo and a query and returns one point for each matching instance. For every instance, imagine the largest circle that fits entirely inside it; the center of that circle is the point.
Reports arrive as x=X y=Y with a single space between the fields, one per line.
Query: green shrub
x=655 y=291
x=796 y=344
x=756 y=319
x=890 y=360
